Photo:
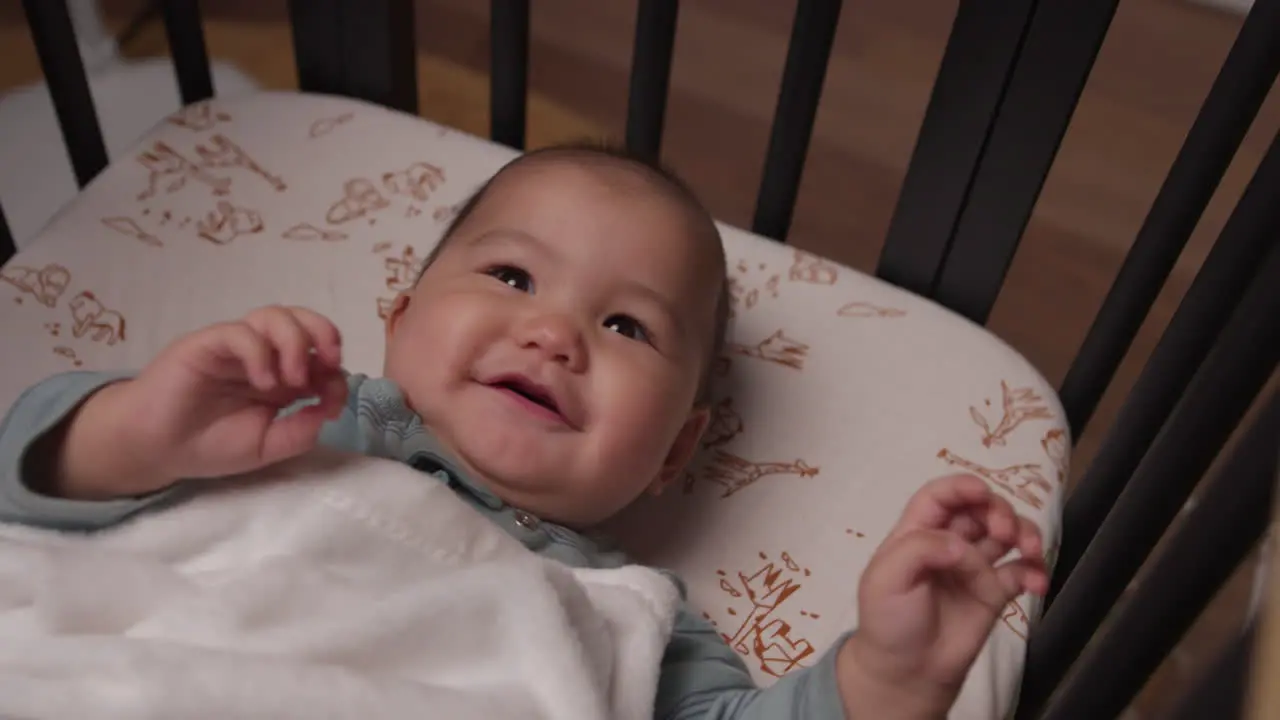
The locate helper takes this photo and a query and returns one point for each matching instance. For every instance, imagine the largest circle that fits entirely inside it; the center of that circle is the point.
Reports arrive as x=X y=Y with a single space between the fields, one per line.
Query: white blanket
x=330 y=587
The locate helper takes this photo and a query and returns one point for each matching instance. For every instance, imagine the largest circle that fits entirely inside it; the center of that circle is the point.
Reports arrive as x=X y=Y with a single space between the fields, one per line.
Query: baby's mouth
x=538 y=399
x=530 y=392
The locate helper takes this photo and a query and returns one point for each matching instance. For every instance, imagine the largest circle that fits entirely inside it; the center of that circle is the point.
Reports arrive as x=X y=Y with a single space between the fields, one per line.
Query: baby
x=551 y=365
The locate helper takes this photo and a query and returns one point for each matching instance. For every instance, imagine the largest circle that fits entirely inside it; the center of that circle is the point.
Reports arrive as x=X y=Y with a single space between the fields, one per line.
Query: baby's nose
x=557 y=338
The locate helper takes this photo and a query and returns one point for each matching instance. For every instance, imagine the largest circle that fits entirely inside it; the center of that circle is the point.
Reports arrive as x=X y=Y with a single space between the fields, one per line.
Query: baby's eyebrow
x=505 y=235
x=657 y=298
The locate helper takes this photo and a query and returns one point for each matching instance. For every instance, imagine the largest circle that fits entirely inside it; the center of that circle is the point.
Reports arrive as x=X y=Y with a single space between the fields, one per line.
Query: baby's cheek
x=650 y=411
x=636 y=388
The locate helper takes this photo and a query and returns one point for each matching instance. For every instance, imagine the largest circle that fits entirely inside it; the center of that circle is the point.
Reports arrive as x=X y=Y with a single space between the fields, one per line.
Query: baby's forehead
x=664 y=222
x=566 y=168
x=636 y=186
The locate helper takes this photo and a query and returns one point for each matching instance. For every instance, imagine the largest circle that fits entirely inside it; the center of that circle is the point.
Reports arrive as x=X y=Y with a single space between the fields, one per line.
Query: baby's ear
x=683 y=449
x=396 y=312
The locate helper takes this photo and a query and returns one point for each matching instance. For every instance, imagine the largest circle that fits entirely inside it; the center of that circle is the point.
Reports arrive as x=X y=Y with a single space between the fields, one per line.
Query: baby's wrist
x=870 y=687
x=99 y=454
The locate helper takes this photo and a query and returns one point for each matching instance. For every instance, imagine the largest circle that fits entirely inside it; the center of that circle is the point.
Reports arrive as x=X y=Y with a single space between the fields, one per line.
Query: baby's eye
x=628 y=326
x=513 y=276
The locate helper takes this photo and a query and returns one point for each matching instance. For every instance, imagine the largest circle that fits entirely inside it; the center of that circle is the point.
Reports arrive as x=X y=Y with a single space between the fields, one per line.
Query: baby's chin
x=545 y=489
x=553 y=473
x=514 y=468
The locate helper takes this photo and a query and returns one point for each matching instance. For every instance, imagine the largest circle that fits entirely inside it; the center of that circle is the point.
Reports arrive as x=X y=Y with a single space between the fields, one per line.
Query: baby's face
x=557 y=342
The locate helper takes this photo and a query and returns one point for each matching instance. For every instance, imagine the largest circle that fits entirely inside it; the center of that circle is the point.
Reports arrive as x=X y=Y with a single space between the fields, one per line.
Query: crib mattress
x=839 y=394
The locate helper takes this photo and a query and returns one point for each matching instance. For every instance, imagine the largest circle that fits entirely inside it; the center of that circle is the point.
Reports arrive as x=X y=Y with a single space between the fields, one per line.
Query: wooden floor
x=1152 y=74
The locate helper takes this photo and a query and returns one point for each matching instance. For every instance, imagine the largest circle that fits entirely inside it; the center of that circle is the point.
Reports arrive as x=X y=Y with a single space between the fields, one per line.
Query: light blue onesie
x=701 y=676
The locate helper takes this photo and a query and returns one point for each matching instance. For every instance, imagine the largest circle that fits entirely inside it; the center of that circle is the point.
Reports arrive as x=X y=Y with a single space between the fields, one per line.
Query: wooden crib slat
x=812 y=34
x=1188 y=339
x=509 y=71
x=1221 y=691
x=1262 y=698
x=317 y=44
x=187 y=48
x=979 y=58
x=380 y=60
x=55 y=41
x=1230 y=108
x=363 y=49
x=1234 y=510
x=1057 y=56
x=650 y=75
x=1220 y=393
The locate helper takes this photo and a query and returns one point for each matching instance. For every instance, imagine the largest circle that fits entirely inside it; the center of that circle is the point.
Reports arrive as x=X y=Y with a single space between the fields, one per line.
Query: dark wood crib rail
x=1004 y=95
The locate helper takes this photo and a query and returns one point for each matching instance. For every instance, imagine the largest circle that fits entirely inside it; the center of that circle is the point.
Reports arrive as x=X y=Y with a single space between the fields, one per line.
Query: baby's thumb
x=1020 y=576
x=293 y=434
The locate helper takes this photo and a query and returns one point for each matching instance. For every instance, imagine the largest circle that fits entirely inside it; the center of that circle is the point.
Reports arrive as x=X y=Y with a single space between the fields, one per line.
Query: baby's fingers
x=1001 y=529
x=247 y=352
x=1030 y=543
x=1024 y=575
x=1002 y=522
x=914 y=557
x=937 y=504
x=290 y=338
x=331 y=388
x=1025 y=539
x=325 y=337
x=921 y=556
x=297 y=432
x=293 y=434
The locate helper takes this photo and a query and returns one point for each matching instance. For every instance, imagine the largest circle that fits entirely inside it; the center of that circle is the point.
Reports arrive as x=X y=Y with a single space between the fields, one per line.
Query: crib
x=1007 y=87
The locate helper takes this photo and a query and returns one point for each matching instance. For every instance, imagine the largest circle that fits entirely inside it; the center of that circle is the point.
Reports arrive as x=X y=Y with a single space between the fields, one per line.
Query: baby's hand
x=215 y=393
x=207 y=406
x=932 y=593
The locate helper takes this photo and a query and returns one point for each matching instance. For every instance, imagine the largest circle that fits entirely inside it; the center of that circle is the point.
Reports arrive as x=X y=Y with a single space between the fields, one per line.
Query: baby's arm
x=926 y=605
x=703 y=678
x=79 y=451
x=30 y=439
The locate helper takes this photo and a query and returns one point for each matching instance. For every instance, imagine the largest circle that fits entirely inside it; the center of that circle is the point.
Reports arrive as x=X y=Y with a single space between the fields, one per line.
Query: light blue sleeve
x=39 y=409
x=703 y=678
x=43 y=406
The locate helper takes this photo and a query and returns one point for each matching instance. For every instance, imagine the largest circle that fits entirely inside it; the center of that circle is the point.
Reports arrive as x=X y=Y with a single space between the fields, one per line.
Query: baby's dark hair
x=702 y=222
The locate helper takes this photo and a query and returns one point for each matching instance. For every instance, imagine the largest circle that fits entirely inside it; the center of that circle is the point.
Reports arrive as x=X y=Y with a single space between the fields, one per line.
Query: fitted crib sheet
x=839 y=395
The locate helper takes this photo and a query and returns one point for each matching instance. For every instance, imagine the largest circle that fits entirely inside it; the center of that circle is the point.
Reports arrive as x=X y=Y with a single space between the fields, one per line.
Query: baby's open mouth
x=536 y=398
x=530 y=392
